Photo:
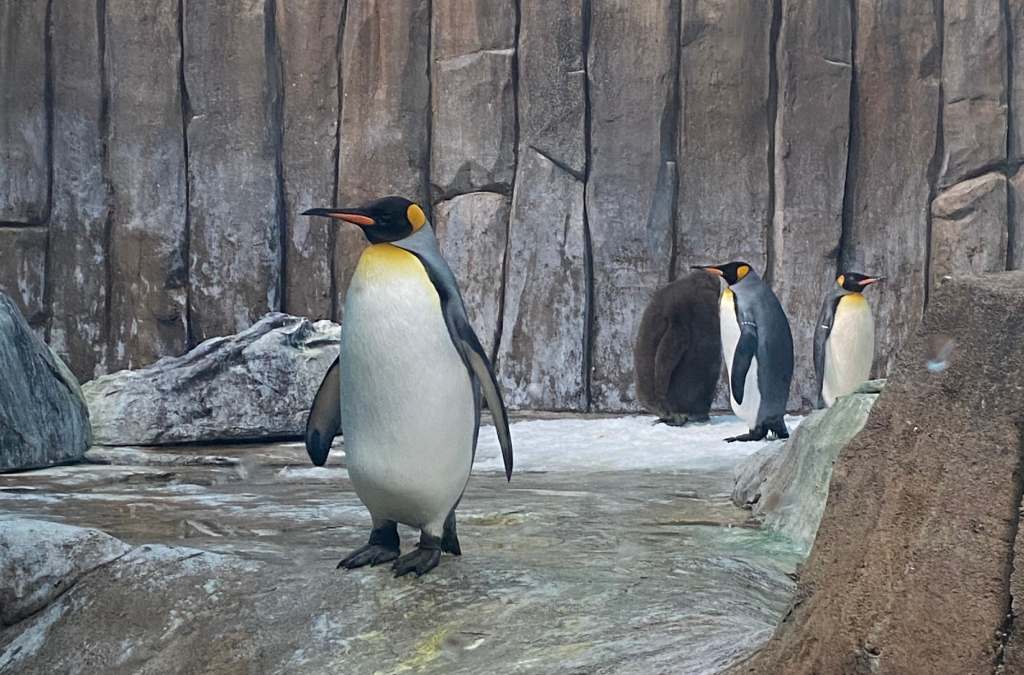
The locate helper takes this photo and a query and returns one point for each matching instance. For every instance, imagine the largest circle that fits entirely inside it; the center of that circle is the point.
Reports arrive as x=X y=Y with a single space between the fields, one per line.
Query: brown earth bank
x=913 y=569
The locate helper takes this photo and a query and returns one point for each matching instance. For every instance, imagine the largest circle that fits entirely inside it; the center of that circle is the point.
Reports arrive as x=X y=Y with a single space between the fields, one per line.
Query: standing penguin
x=844 y=338
x=411 y=375
x=678 y=353
x=758 y=348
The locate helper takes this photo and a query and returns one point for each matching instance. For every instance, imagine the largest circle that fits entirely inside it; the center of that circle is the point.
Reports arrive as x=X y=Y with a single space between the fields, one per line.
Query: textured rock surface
x=472 y=141
x=631 y=183
x=234 y=235
x=256 y=589
x=811 y=133
x=473 y=231
x=39 y=560
x=149 y=235
x=257 y=384
x=895 y=111
x=1015 y=242
x=974 y=88
x=969 y=228
x=23 y=274
x=43 y=418
x=903 y=537
x=78 y=222
x=786 y=485
x=24 y=176
x=385 y=116
x=308 y=38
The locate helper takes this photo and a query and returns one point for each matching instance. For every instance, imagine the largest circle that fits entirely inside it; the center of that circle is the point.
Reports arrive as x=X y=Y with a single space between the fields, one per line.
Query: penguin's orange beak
x=713 y=270
x=354 y=216
x=871 y=280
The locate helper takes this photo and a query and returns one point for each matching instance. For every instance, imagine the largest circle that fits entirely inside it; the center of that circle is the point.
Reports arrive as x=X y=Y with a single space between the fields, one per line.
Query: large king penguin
x=844 y=338
x=758 y=348
x=411 y=375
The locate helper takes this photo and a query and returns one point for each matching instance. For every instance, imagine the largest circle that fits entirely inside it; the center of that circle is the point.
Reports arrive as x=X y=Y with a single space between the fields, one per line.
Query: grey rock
x=234 y=240
x=631 y=183
x=78 y=261
x=898 y=63
x=257 y=384
x=1015 y=88
x=23 y=274
x=974 y=88
x=40 y=560
x=472 y=138
x=786 y=485
x=541 y=355
x=148 y=231
x=24 y=169
x=871 y=387
x=1015 y=241
x=551 y=83
x=811 y=132
x=385 y=115
x=969 y=228
x=308 y=34
x=473 y=232
x=43 y=417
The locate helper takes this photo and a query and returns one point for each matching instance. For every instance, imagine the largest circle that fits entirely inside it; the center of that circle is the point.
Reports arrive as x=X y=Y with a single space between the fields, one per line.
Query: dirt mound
x=913 y=570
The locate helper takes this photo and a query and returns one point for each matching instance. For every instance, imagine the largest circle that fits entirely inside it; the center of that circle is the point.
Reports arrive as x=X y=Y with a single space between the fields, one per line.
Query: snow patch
x=625 y=443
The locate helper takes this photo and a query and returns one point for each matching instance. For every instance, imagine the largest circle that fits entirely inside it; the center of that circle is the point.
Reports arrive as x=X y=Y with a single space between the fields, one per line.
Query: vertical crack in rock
x=186 y=115
x=108 y=225
x=425 y=172
x=333 y=232
x=588 y=254
x=48 y=107
x=773 y=119
x=935 y=165
x=275 y=113
x=1006 y=629
x=852 y=149
x=675 y=101
x=1011 y=205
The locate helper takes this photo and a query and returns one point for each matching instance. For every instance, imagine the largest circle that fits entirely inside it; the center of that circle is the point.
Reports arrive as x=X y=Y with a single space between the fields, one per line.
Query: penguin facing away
x=678 y=353
x=758 y=349
x=411 y=375
x=844 y=338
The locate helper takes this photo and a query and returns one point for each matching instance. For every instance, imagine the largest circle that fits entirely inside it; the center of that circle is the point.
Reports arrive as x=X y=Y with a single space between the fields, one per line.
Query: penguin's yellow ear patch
x=416 y=216
x=841 y=279
x=742 y=271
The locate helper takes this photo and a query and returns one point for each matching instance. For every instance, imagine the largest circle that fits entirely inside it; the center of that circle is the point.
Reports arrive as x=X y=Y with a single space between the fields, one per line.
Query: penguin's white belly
x=406 y=397
x=849 y=349
x=730 y=327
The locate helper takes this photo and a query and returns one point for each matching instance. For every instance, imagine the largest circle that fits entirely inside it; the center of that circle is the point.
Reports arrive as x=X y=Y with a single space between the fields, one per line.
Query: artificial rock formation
x=923 y=509
x=254 y=385
x=43 y=417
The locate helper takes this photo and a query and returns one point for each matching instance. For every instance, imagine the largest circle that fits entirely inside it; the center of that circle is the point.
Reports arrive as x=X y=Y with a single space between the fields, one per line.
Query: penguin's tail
x=449 y=537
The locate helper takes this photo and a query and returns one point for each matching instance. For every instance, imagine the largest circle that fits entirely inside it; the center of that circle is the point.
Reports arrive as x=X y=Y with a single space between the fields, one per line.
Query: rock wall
x=155 y=157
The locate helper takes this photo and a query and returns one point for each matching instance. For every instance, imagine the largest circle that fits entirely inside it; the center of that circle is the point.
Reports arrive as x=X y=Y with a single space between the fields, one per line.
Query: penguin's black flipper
x=324 y=421
x=822 y=330
x=746 y=350
x=671 y=348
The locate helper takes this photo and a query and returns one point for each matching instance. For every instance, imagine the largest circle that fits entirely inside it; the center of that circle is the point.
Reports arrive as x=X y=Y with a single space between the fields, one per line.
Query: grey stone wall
x=155 y=157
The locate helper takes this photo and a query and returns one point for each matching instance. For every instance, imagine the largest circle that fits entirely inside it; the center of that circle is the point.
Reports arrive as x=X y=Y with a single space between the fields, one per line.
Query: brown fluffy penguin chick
x=677 y=358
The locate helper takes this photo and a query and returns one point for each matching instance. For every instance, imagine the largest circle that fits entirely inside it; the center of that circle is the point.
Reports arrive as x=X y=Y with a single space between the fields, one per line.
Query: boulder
x=43 y=417
x=913 y=568
x=257 y=384
x=39 y=560
x=786 y=485
x=969 y=228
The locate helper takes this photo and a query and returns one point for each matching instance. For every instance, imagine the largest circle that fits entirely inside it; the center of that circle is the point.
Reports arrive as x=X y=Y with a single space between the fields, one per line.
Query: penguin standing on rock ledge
x=844 y=338
x=758 y=348
x=412 y=371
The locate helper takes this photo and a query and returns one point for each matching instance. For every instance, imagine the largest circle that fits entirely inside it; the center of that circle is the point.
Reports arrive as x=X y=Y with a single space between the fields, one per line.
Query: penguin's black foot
x=699 y=417
x=422 y=560
x=776 y=427
x=676 y=420
x=382 y=548
x=758 y=433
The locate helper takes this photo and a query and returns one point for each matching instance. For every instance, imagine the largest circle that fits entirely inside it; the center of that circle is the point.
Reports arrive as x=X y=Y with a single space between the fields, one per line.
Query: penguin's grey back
x=774 y=343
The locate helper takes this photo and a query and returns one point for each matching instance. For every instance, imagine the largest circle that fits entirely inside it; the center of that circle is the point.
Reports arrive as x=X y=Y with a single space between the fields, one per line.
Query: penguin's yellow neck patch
x=853 y=298
x=382 y=261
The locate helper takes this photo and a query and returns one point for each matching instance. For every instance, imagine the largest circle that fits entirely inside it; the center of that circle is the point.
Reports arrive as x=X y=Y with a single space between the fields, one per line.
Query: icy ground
x=615 y=549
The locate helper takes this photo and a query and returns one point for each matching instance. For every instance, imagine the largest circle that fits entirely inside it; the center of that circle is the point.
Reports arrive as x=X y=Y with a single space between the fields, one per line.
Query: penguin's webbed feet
x=422 y=560
x=383 y=547
x=758 y=433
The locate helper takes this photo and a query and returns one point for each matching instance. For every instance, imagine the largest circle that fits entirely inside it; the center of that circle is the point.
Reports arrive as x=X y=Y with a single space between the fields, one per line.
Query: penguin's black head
x=732 y=272
x=856 y=282
x=384 y=220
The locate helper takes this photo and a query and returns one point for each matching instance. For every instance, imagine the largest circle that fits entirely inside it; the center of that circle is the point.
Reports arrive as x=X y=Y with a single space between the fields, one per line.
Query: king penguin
x=844 y=338
x=758 y=348
x=410 y=381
